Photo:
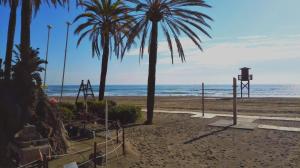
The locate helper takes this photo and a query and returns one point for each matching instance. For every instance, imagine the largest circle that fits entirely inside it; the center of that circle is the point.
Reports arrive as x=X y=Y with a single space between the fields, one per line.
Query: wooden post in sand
x=234 y=102
x=202 y=99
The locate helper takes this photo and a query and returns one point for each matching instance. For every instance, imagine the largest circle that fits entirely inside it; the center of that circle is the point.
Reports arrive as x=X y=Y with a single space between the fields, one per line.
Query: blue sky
x=261 y=34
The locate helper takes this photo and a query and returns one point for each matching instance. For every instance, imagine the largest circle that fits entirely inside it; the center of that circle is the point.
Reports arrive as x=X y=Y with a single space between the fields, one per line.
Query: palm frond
x=176 y=17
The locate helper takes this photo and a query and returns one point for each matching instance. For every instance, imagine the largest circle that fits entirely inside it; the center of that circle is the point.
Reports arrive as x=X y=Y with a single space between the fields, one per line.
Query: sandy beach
x=179 y=141
x=176 y=140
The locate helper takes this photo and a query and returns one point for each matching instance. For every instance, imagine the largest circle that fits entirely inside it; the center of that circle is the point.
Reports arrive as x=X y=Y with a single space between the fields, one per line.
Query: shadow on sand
x=207 y=134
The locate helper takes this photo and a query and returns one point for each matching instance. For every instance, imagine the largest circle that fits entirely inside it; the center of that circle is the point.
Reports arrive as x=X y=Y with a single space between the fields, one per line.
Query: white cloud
x=234 y=52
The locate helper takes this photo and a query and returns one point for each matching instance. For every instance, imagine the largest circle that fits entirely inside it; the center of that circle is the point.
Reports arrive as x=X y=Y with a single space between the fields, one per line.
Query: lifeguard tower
x=245 y=78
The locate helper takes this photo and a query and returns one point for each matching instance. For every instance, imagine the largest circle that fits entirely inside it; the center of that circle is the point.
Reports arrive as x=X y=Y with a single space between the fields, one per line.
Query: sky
x=261 y=34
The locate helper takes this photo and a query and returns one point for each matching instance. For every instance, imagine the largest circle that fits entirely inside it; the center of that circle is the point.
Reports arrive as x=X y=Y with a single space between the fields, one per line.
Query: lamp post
x=65 y=59
x=48 y=40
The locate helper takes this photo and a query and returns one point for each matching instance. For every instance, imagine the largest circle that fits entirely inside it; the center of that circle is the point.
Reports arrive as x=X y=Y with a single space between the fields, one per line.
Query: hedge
x=125 y=113
x=69 y=106
x=98 y=107
x=67 y=114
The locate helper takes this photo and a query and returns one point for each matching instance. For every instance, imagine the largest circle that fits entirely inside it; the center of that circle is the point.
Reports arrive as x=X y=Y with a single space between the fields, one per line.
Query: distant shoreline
x=184 y=90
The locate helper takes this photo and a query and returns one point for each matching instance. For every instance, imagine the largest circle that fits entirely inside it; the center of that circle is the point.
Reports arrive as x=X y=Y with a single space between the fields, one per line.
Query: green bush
x=67 y=114
x=125 y=113
x=69 y=106
x=80 y=106
x=98 y=107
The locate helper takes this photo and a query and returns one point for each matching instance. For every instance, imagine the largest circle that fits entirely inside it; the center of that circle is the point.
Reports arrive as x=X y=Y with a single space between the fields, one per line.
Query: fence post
x=202 y=99
x=95 y=154
x=234 y=102
x=123 y=138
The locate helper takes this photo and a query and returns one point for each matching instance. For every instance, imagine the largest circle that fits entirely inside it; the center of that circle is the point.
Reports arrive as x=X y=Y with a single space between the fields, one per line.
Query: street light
x=65 y=59
x=48 y=40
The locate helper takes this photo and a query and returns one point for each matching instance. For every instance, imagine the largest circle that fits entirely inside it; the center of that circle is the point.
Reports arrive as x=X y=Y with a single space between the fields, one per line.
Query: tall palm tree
x=175 y=17
x=26 y=14
x=106 y=24
x=24 y=85
x=10 y=35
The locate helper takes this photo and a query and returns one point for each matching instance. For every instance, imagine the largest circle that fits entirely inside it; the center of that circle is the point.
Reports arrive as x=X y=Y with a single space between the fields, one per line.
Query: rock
x=28 y=133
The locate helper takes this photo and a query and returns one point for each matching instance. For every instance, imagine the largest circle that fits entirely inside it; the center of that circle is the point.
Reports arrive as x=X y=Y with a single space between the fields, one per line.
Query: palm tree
x=35 y=65
x=24 y=85
x=175 y=17
x=10 y=35
x=106 y=24
x=26 y=13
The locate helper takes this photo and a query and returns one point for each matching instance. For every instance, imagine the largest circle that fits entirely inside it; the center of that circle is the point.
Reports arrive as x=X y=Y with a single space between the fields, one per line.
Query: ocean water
x=183 y=90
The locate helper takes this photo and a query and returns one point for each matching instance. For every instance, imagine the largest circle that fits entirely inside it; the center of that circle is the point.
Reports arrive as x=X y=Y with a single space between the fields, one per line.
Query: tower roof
x=245 y=68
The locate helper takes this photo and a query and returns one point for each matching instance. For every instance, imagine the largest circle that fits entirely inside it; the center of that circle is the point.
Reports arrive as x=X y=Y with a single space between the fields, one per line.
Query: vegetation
x=174 y=18
x=70 y=106
x=68 y=110
x=98 y=107
x=106 y=24
x=67 y=114
x=125 y=113
x=21 y=97
x=10 y=35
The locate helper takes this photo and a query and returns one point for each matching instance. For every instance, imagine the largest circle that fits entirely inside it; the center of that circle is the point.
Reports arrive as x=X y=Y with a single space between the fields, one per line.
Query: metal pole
x=66 y=49
x=47 y=50
x=248 y=88
x=234 y=102
x=106 y=129
x=241 y=88
x=202 y=99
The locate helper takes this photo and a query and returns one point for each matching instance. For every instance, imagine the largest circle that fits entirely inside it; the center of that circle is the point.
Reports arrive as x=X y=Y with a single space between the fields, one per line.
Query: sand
x=177 y=140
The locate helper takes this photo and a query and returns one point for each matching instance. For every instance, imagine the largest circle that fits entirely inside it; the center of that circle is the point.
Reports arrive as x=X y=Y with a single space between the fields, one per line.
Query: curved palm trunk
x=10 y=39
x=152 y=73
x=105 y=56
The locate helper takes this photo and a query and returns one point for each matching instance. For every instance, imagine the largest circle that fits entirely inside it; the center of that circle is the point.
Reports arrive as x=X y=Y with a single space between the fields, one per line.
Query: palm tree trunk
x=10 y=38
x=105 y=56
x=24 y=85
x=25 y=28
x=152 y=73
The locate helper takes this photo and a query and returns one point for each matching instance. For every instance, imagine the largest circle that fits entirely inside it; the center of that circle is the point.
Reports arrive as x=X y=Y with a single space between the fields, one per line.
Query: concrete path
x=243 y=119
x=212 y=115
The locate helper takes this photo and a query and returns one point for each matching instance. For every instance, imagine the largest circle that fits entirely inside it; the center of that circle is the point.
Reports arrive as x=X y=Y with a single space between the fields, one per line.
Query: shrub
x=66 y=113
x=69 y=106
x=80 y=106
x=125 y=113
x=98 y=107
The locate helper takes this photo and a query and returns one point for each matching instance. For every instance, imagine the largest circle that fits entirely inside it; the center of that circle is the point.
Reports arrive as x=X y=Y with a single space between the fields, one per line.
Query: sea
x=183 y=90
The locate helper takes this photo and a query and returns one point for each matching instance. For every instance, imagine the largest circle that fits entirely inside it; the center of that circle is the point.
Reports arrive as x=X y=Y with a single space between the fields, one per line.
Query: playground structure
x=87 y=91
